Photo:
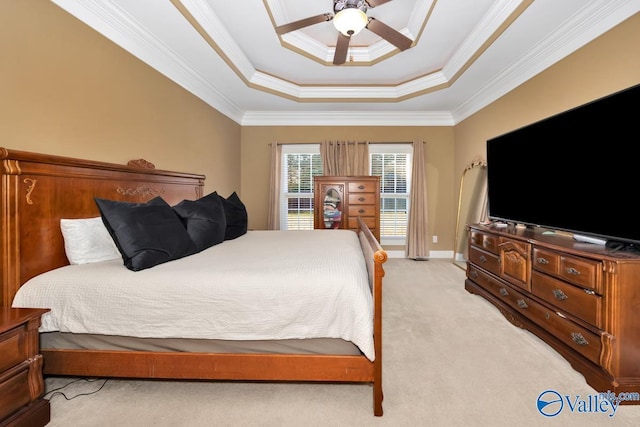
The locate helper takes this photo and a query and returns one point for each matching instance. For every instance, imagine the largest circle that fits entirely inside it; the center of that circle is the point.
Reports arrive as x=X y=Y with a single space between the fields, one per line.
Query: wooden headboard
x=38 y=190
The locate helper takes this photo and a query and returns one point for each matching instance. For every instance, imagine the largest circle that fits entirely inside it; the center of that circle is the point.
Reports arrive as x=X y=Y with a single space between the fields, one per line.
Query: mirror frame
x=477 y=162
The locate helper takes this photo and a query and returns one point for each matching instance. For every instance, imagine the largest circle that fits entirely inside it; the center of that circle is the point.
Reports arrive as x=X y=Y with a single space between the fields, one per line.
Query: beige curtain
x=344 y=158
x=273 y=219
x=418 y=228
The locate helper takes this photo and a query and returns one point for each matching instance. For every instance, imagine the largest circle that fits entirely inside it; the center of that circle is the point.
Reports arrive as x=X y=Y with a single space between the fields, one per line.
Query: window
x=300 y=163
x=392 y=163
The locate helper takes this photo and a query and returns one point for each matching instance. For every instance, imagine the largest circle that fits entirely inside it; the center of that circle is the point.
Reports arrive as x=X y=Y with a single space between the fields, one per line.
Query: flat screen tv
x=576 y=171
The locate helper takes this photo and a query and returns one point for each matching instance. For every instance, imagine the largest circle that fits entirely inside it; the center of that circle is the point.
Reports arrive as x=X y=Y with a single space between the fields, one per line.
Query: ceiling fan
x=350 y=18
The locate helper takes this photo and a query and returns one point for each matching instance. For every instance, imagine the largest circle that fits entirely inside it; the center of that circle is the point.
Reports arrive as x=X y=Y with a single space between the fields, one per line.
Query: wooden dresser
x=21 y=382
x=340 y=200
x=580 y=298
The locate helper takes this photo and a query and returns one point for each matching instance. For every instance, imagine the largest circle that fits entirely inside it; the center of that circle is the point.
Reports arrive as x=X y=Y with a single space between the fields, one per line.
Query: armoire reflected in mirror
x=472 y=206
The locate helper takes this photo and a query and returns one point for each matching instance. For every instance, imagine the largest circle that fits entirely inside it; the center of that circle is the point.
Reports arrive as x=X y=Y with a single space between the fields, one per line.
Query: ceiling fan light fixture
x=350 y=21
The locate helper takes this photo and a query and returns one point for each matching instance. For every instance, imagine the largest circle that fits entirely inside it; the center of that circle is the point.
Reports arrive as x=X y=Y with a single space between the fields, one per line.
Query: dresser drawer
x=363 y=199
x=369 y=221
x=363 y=187
x=484 y=259
x=546 y=261
x=499 y=289
x=488 y=242
x=14 y=390
x=583 y=272
x=583 y=303
x=582 y=340
x=362 y=210
x=12 y=349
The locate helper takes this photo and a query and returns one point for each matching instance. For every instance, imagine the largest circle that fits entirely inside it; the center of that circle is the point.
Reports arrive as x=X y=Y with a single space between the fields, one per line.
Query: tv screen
x=576 y=171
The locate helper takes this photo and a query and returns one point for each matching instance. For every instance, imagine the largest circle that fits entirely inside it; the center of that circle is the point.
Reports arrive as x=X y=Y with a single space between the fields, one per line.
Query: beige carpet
x=450 y=359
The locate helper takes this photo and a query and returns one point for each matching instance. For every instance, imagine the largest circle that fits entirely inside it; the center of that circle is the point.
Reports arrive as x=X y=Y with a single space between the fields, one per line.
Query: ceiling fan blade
x=296 y=25
x=342 y=46
x=394 y=37
x=374 y=3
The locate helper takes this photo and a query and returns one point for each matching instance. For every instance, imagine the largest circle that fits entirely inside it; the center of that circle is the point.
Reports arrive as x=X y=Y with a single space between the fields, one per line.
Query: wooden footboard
x=38 y=190
x=375 y=256
x=254 y=367
x=208 y=366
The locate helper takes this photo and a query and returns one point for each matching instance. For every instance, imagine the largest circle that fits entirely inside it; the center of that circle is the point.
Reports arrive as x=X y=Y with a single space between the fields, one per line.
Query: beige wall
x=67 y=90
x=606 y=65
x=438 y=160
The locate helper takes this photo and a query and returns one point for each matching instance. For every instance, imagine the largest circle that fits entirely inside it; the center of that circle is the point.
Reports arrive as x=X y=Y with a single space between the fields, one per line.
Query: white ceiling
x=465 y=55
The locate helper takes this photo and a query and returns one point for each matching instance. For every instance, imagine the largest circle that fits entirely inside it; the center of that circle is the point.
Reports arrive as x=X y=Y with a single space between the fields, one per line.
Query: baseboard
x=441 y=254
x=432 y=254
x=395 y=254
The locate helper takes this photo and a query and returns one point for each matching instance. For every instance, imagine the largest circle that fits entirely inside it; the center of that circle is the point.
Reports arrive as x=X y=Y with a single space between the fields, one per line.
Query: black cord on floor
x=56 y=391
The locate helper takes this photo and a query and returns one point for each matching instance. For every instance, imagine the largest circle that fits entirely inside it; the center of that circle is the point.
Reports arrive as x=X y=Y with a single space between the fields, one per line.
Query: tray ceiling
x=465 y=54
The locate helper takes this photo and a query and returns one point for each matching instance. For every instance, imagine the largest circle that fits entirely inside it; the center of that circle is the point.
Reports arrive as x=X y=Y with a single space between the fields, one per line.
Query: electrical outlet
x=435 y=239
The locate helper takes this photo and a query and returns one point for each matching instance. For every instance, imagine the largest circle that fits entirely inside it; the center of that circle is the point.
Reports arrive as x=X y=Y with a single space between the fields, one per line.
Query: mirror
x=472 y=206
x=332 y=209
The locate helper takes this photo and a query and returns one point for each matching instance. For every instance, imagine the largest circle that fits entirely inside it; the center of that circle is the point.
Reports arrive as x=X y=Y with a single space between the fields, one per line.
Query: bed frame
x=38 y=190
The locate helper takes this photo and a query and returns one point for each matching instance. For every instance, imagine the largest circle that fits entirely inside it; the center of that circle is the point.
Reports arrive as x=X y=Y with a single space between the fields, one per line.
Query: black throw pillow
x=204 y=220
x=146 y=234
x=236 y=215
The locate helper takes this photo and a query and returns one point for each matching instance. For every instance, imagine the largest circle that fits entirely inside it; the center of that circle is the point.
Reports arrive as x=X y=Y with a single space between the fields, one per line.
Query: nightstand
x=21 y=381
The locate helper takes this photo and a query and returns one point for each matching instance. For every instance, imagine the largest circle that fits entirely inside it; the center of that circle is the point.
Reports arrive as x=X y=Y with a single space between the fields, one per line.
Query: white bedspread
x=263 y=285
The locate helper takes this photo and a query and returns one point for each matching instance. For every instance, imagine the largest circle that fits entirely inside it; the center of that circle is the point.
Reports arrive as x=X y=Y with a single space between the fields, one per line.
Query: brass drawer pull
x=504 y=292
x=361 y=187
x=572 y=271
x=483 y=259
x=589 y=292
x=560 y=296
x=578 y=338
x=547 y=315
x=361 y=211
x=473 y=274
x=542 y=261
x=361 y=199
x=522 y=303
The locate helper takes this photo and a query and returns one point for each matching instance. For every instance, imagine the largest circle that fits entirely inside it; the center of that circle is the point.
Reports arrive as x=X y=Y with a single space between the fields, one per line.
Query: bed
x=39 y=190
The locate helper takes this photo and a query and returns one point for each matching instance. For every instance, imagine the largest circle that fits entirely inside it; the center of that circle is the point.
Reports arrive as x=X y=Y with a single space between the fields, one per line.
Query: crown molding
x=580 y=30
x=347 y=118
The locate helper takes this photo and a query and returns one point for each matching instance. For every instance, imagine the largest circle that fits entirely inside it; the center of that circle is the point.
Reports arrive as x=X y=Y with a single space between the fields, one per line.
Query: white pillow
x=87 y=240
